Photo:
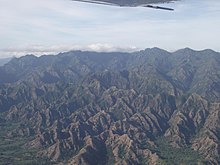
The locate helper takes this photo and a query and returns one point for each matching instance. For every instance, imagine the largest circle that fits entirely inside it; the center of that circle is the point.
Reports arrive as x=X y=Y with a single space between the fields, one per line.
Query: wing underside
x=129 y=3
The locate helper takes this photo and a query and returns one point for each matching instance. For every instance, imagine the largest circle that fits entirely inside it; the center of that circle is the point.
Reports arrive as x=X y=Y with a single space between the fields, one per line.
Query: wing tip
x=159 y=7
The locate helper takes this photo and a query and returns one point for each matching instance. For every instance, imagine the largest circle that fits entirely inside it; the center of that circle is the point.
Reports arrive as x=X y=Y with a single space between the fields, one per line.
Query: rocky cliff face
x=147 y=107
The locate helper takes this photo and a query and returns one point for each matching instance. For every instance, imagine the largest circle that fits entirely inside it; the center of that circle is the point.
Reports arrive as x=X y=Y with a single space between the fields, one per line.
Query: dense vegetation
x=13 y=149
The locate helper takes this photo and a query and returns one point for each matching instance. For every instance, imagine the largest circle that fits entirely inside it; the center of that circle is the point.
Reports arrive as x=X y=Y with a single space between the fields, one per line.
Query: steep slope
x=113 y=108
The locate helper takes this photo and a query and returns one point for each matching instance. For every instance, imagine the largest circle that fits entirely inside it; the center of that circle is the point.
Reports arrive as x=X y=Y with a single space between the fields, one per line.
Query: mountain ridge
x=114 y=108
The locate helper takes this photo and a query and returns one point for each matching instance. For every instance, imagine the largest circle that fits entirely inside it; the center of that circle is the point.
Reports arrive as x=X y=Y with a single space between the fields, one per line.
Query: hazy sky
x=50 y=26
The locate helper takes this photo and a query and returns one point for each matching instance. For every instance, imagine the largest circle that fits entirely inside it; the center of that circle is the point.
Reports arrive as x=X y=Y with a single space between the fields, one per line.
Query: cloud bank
x=69 y=25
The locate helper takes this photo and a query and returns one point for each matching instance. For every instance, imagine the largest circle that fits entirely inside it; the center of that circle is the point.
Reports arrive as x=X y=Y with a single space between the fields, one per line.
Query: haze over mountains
x=146 y=107
x=3 y=61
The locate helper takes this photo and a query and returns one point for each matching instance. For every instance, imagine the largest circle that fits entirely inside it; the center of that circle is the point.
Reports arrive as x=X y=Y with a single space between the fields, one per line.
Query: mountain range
x=79 y=107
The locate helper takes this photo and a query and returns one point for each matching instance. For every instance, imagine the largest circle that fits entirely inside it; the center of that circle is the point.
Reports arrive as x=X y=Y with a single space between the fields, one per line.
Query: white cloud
x=110 y=48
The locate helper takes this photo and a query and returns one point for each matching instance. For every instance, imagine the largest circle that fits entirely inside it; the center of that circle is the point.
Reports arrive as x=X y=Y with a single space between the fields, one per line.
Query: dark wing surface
x=130 y=3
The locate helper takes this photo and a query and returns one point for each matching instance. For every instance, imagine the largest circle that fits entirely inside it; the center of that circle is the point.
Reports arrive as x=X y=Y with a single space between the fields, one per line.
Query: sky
x=52 y=26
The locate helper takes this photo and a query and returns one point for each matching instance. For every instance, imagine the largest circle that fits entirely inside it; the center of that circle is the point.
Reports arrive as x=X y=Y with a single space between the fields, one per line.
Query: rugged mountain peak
x=185 y=50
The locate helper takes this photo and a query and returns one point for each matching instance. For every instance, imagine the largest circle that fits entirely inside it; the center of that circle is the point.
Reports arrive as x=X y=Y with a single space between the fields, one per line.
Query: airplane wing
x=130 y=3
